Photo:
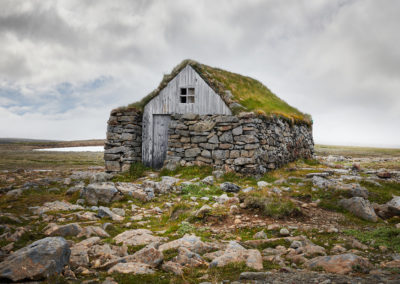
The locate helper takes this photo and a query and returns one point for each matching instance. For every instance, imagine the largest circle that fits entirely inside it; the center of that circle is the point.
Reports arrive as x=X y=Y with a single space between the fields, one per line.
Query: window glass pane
x=183 y=99
x=183 y=91
x=191 y=91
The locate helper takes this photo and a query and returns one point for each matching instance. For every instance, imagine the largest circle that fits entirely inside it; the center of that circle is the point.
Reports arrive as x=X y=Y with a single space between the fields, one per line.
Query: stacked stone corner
x=124 y=139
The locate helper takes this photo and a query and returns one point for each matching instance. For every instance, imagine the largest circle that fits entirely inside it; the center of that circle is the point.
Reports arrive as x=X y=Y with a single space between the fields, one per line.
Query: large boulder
x=104 y=192
x=341 y=263
x=36 y=261
x=360 y=207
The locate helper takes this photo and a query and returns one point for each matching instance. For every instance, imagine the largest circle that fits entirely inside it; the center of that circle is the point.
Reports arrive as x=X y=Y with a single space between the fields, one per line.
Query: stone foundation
x=243 y=143
x=124 y=140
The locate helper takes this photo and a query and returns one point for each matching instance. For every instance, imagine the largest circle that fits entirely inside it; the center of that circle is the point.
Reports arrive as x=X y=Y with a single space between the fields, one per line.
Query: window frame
x=188 y=97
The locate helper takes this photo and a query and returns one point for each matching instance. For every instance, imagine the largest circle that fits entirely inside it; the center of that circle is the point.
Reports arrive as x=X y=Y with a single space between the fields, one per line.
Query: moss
x=169 y=254
x=156 y=278
x=251 y=94
x=188 y=172
x=136 y=170
x=273 y=206
x=229 y=272
x=180 y=211
x=274 y=244
x=383 y=193
x=199 y=191
x=133 y=249
x=383 y=236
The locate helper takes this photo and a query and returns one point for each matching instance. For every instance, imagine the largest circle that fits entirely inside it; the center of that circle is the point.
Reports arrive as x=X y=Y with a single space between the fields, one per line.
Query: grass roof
x=240 y=93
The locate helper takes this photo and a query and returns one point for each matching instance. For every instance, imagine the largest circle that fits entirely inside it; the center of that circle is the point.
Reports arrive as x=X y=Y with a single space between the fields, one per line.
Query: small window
x=187 y=96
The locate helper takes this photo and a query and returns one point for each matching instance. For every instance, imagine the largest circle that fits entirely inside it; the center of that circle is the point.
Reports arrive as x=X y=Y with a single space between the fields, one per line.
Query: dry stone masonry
x=124 y=139
x=244 y=143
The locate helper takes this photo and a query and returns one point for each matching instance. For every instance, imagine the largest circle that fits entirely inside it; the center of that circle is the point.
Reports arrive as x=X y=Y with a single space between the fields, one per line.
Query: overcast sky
x=65 y=64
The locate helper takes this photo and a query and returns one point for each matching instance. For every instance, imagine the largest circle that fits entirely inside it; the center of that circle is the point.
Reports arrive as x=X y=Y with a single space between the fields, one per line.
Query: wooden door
x=160 y=139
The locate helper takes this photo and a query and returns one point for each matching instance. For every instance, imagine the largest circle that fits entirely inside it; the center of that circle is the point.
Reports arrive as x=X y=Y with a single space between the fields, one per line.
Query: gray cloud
x=337 y=60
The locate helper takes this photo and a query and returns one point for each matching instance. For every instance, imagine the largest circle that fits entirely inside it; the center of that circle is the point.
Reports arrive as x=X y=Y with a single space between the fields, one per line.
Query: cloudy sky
x=65 y=64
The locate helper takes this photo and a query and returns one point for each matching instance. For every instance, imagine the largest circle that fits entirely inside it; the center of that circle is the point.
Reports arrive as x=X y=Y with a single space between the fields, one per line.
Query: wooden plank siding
x=168 y=101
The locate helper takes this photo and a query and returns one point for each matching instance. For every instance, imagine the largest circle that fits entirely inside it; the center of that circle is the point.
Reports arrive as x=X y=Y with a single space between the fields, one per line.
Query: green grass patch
x=272 y=206
x=180 y=211
x=136 y=170
x=229 y=272
x=381 y=194
x=169 y=254
x=200 y=191
x=383 y=236
x=274 y=244
x=188 y=172
x=156 y=278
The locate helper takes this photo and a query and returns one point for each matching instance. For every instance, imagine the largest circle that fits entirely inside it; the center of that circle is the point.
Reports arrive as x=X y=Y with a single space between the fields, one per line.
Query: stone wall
x=124 y=139
x=243 y=143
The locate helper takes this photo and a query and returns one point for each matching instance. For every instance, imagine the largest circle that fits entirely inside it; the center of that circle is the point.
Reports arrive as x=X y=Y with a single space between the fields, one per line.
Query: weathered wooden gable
x=168 y=101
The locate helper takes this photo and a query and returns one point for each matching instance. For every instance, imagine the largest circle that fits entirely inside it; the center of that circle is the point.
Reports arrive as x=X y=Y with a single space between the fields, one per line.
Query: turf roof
x=240 y=93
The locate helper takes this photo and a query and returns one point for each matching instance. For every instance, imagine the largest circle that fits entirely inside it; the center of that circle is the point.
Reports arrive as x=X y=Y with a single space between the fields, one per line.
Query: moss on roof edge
x=219 y=88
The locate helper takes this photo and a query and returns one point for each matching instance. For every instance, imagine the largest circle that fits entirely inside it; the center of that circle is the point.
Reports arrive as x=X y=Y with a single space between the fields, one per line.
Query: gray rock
x=14 y=193
x=359 y=207
x=100 y=177
x=229 y=187
x=394 y=205
x=203 y=211
x=64 y=231
x=359 y=191
x=226 y=137
x=148 y=255
x=56 y=206
x=248 y=189
x=190 y=116
x=39 y=260
x=218 y=174
x=104 y=192
x=118 y=211
x=253 y=275
x=237 y=131
x=208 y=180
x=284 y=232
x=321 y=182
x=106 y=212
x=341 y=263
x=131 y=268
x=213 y=139
x=260 y=235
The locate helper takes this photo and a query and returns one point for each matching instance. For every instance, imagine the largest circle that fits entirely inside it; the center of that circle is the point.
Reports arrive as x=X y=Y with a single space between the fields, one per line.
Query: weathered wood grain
x=160 y=139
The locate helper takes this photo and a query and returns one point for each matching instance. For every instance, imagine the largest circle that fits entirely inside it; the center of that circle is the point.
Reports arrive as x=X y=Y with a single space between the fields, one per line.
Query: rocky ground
x=334 y=219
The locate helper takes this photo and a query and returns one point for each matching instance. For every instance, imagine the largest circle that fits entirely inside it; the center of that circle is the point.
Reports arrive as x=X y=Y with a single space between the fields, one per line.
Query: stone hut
x=200 y=115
